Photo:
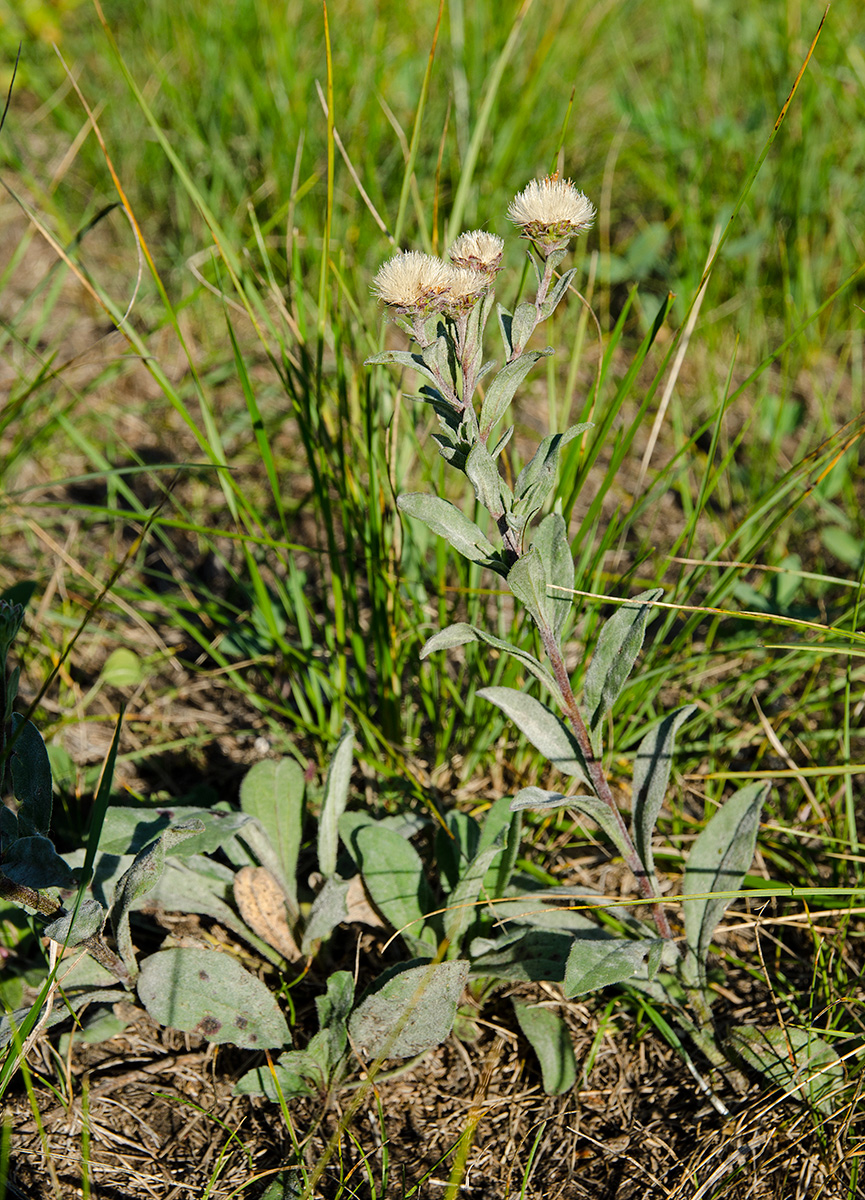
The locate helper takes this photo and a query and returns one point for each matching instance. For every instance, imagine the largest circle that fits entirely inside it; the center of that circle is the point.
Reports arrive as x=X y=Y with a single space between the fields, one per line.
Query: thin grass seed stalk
x=445 y=313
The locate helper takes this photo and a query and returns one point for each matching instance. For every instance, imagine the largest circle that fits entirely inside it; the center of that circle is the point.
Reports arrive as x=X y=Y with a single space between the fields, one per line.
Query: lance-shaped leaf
x=536 y=956
x=554 y=297
x=448 y=522
x=460 y=634
x=534 y=482
x=589 y=806
x=599 y=961
x=620 y=641
x=402 y=358
x=551 y=543
x=395 y=879
x=31 y=778
x=523 y=324
x=651 y=776
x=490 y=489
x=408 y=1009
x=527 y=579
x=333 y=1013
x=551 y=1040
x=500 y=819
x=461 y=909
x=334 y=802
x=141 y=878
x=211 y=994
x=718 y=861
x=542 y=727
x=272 y=791
x=501 y=391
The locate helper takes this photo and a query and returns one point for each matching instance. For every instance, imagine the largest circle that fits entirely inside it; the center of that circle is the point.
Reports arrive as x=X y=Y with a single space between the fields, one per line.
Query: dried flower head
x=413 y=282
x=550 y=212
x=478 y=250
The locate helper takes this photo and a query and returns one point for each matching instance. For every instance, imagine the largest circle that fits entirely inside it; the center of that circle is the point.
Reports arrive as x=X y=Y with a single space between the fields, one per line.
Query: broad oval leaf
x=75 y=927
x=205 y=992
x=718 y=861
x=815 y=1074
x=272 y=791
x=31 y=778
x=395 y=879
x=542 y=727
x=408 y=1010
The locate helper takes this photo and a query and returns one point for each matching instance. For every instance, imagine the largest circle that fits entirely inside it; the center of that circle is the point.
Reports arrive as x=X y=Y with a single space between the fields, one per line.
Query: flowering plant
x=444 y=306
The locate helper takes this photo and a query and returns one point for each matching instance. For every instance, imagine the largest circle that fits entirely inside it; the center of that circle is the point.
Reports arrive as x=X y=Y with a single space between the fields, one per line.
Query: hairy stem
x=648 y=889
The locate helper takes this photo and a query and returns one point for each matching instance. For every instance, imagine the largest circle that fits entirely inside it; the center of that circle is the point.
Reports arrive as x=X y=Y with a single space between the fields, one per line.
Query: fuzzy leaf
x=395 y=879
x=296 y=1077
x=542 y=727
x=718 y=861
x=501 y=391
x=408 y=1009
x=334 y=802
x=589 y=806
x=460 y=634
x=490 y=489
x=527 y=579
x=536 y=956
x=551 y=1040
x=500 y=819
x=141 y=878
x=615 y=654
x=272 y=791
x=552 y=301
x=538 y=476
x=651 y=776
x=599 y=961
x=523 y=324
x=815 y=1074
x=33 y=862
x=553 y=548
x=461 y=907
x=333 y=1013
x=448 y=522
x=402 y=358
x=31 y=778
x=87 y=921
x=208 y=993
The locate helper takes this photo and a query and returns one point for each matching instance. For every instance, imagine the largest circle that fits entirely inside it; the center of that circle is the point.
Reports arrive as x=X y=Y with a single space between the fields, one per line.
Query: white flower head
x=550 y=212
x=465 y=288
x=413 y=282
x=478 y=250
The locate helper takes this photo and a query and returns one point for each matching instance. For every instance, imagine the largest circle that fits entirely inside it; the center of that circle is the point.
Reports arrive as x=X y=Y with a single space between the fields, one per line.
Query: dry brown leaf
x=261 y=903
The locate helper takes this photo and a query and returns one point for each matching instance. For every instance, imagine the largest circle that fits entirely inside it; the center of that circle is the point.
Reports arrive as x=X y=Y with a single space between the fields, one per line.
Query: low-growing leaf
x=618 y=645
x=449 y=522
x=211 y=994
x=409 y=1009
x=533 y=956
x=296 y=1076
x=500 y=818
x=33 y=862
x=123 y=668
x=551 y=1040
x=718 y=861
x=651 y=776
x=542 y=727
x=333 y=1013
x=599 y=961
x=272 y=791
x=796 y=1060
x=395 y=879
x=461 y=909
x=334 y=802
x=87 y=921
x=31 y=778
x=261 y=902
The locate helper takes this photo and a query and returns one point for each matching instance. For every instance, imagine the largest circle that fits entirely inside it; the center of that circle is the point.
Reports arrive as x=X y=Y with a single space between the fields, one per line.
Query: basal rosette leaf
x=600 y=961
x=408 y=1010
x=551 y=1040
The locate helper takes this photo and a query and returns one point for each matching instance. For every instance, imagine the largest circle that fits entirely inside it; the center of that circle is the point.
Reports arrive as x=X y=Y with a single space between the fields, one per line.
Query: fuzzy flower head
x=465 y=288
x=413 y=283
x=550 y=212
x=478 y=250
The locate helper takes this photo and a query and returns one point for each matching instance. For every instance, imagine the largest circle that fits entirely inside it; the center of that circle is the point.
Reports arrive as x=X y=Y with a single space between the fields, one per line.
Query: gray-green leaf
x=408 y=1010
x=718 y=861
x=651 y=776
x=589 y=806
x=599 y=961
x=209 y=993
x=542 y=727
x=31 y=778
x=615 y=654
x=394 y=876
x=272 y=791
x=501 y=391
x=448 y=522
x=815 y=1074
x=460 y=634
x=335 y=799
x=551 y=1040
